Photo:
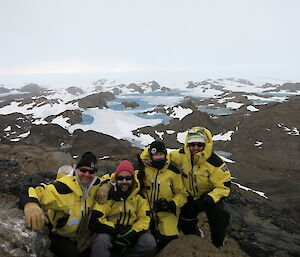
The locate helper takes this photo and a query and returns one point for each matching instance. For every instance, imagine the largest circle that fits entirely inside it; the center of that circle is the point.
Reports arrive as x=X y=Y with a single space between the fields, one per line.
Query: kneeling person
x=123 y=220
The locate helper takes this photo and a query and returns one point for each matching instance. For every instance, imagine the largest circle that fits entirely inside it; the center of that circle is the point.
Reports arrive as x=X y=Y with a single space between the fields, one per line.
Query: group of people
x=134 y=212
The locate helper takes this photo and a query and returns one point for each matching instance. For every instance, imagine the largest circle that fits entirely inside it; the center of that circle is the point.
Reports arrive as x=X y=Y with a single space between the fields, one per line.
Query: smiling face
x=86 y=174
x=196 y=147
x=124 y=180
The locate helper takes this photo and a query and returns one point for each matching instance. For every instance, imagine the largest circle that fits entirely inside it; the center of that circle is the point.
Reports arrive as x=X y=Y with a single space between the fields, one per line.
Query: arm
x=221 y=179
x=143 y=218
x=98 y=221
x=180 y=193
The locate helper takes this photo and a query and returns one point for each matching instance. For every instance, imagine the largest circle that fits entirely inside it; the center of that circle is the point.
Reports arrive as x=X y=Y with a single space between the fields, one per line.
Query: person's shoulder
x=173 y=168
x=215 y=160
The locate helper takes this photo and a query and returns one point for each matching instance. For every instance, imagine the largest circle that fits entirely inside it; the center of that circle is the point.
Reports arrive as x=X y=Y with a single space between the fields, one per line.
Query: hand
x=164 y=205
x=101 y=194
x=34 y=216
x=125 y=238
x=208 y=201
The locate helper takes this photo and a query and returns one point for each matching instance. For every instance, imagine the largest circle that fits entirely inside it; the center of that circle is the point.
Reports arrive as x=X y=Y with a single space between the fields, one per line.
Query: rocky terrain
x=256 y=130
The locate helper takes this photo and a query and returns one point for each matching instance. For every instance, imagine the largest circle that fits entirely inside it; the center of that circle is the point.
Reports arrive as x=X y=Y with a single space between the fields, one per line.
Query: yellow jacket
x=68 y=210
x=206 y=173
x=164 y=183
x=132 y=211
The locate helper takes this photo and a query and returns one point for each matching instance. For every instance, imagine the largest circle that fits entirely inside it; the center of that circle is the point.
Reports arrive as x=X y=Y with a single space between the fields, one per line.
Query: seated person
x=162 y=184
x=122 y=222
x=69 y=200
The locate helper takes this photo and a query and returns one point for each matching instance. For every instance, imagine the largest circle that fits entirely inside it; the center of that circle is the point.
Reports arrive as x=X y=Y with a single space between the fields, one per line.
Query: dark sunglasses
x=196 y=144
x=127 y=178
x=86 y=170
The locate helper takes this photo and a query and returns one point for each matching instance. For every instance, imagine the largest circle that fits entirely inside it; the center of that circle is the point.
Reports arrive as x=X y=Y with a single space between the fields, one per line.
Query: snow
x=170 y=132
x=160 y=134
x=15 y=139
x=180 y=113
x=292 y=132
x=223 y=100
x=258 y=144
x=145 y=139
x=226 y=159
x=8 y=128
x=223 y=137
x=26 y=134
x=181 y=137
x=104 y=157
x=251 y=108
x=234 y=105
x=118 y=124
x=60 y=120
x=262 y=194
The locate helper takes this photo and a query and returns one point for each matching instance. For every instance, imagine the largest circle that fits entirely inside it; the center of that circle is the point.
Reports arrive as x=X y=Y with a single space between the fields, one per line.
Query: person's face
x=158 y=156
x=124 y=180
x=196 y=147
x=86 y=174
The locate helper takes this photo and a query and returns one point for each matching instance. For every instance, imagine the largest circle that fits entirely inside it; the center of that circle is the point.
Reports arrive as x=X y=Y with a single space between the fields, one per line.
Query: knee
x=147 y=241
x=103 y=239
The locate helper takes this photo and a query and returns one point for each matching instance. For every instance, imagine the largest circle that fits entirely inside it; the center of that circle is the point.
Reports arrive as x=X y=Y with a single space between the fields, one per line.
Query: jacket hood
x=206 y=153
x=146 y=158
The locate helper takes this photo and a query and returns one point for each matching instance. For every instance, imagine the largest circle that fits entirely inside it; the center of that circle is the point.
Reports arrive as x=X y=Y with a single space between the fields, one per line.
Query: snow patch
x=223 y=137
x=258 y=144
x=251 y=108
x=249 y=189
x=180 y=113
x=170 y=132
x=8 y=128
x=290 y=131
x=234 y=105
x=160 y=134
x=181 y=137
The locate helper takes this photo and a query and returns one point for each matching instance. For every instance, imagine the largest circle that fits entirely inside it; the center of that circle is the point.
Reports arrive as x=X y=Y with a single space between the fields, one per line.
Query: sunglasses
x=127 y=178
x=86 y=170
x=196 y=144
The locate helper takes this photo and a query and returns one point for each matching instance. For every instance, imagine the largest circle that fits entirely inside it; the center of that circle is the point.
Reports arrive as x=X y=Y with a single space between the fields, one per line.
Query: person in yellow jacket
x=123 y=220
x=69 y=200
x=164 y=189
x=207 y=180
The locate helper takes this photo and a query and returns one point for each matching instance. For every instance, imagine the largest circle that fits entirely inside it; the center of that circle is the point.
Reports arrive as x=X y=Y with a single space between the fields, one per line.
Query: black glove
x=208 y=201
x=126 y=236
x=164 y=205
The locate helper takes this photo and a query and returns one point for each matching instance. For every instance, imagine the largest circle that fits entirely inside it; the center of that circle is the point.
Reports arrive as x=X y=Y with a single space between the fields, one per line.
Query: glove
x=101 y=194
x=208 y=201
x=34 y=216
x=125 y=240
x=164 y=205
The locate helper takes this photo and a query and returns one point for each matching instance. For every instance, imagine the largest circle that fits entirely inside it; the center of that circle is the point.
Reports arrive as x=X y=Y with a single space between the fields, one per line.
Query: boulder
x=15 y=239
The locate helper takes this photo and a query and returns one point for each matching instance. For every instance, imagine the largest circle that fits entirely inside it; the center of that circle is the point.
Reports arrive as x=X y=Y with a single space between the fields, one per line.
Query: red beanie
x=125 y=165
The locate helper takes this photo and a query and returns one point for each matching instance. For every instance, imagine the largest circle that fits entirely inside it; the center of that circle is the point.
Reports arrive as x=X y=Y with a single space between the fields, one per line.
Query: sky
x=157 y=39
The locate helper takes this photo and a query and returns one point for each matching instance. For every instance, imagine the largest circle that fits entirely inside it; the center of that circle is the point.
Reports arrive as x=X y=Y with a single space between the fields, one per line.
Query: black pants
x=64 y=247
x=218 y=219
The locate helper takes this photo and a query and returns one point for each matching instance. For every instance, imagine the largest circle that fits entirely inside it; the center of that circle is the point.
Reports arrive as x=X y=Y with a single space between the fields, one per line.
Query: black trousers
x=218 y=219
x=64 y=247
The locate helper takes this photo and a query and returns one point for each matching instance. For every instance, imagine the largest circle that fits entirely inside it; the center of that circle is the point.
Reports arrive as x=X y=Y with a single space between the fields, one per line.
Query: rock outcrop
x=15 y=239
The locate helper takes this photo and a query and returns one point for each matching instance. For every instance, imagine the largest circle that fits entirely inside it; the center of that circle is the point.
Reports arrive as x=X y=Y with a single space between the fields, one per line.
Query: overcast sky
x=225 y=37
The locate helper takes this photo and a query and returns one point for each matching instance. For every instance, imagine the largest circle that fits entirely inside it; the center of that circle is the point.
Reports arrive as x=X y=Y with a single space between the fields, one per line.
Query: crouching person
x=69 y=200
x=122 y=222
